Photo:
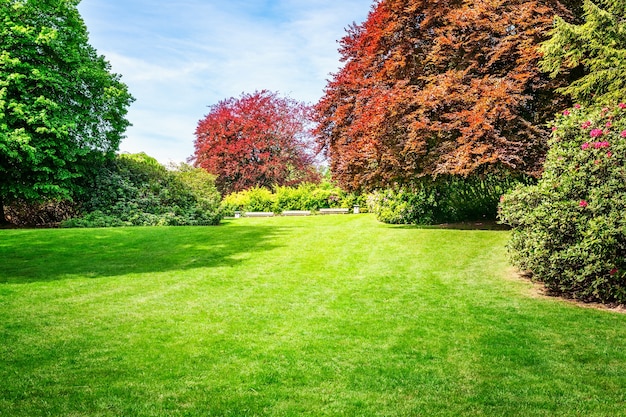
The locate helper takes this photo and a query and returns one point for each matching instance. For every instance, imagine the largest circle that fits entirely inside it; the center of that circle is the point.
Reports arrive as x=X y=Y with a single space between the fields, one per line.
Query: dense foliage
x=257 y=140
x=447 y=87
x=135 y=190
x=61 y=109
x=306 y=196
x=570 y=228
x=445 y=199
x=598 y=46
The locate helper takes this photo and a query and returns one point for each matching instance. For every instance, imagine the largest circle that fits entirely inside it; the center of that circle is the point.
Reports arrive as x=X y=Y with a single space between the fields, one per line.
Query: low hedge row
x=303 y=197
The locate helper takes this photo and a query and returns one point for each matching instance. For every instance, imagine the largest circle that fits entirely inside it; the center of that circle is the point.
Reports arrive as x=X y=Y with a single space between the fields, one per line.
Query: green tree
x=597 y=46
x=61 y=108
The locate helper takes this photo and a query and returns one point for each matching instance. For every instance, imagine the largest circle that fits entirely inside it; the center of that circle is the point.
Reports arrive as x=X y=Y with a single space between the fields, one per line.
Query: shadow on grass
x=474 y=225
x=51 y=254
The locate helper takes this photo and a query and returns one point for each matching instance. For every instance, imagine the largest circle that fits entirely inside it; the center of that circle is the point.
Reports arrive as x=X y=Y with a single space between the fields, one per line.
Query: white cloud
x=180 y=57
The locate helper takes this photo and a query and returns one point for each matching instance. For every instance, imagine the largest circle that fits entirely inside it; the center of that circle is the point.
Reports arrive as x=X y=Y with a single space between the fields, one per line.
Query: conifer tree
x=598 y=46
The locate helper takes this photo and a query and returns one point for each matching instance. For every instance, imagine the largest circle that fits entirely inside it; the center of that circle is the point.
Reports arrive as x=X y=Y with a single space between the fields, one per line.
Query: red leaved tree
x=440 y=87
x=259 y=139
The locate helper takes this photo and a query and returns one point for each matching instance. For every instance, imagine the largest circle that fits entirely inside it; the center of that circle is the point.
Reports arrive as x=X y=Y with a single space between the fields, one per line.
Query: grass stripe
x=305 y=316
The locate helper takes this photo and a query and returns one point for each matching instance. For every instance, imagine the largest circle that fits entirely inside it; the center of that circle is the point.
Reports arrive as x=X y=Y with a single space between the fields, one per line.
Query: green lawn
x=316 y=316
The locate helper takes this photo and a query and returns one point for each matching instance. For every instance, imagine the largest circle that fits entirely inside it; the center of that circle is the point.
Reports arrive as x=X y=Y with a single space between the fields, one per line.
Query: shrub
x=233 y=202
x=95 y=219
x=443 y=200
x=293 y=198
x=253 y=199
x=403 y=205
x=199 y=183
x=306 y=196
x=260 y=199
x=135 y=190
x=570 y=228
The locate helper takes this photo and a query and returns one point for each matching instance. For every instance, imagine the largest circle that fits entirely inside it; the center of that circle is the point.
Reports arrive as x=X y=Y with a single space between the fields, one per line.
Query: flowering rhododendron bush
x=570 y=229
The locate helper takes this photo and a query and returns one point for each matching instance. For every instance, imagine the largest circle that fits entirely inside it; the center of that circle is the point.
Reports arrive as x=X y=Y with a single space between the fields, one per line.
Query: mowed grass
x=318 y=316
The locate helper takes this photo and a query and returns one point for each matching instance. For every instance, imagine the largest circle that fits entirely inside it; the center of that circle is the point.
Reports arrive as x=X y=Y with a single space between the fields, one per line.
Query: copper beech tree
x=440 y=87
x=256 y=140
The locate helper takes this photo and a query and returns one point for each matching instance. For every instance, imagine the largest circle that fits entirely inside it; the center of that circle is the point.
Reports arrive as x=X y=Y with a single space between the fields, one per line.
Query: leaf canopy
x=447 y=87
x=61 y=107
x=256 y=140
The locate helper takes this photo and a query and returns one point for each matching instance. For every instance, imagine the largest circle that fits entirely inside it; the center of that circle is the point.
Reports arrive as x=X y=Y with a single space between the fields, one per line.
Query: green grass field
x=317 y=316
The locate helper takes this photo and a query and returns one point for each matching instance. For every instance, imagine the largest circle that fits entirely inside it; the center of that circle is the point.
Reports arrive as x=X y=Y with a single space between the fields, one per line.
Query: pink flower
x=623 y=134
x=577 y=106
x=596 y=133
x=554 y=128
x=609 y=154
x=622 y=105
x=608 y=124
x=586 y=125
x=605 y=109
x=600 y=145
x=613 y=271
x=566 y=113
x=583 y=203
x=585 y=146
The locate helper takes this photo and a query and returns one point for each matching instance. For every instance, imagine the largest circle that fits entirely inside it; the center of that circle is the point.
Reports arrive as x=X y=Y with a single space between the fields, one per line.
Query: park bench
x=259 y=214
x=334 y=211
x=296 y=213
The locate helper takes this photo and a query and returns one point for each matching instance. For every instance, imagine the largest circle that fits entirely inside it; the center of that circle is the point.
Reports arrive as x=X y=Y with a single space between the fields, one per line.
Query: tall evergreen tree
x=598 y=46
x=61 y=108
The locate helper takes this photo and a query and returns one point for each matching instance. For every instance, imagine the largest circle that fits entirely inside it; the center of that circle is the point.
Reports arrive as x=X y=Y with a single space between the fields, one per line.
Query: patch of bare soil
x=538 y=290
x=475 y=225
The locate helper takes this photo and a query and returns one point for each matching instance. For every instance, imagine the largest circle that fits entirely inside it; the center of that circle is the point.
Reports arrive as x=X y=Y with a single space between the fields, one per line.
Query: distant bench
x=334 y=211
x=296 y=213
x=259 y=214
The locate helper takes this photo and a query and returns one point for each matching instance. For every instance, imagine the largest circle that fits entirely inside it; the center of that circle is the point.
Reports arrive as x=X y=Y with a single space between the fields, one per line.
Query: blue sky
x=178 y=57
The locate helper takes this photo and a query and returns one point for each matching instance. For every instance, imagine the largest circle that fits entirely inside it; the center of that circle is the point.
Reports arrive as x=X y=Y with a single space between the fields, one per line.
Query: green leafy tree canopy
x=61 y=108
x=598 y=46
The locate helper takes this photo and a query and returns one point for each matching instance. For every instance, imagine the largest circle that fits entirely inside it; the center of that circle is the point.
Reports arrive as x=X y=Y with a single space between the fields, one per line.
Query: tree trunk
x=3 y=220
